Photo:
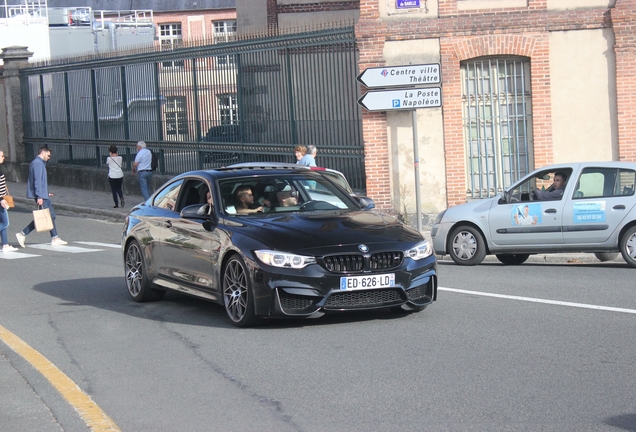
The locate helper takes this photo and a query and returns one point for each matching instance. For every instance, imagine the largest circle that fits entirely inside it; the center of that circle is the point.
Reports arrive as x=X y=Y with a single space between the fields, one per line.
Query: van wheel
x=628 y=246
x=467 y=246
x=512 y=259
x=605 y=256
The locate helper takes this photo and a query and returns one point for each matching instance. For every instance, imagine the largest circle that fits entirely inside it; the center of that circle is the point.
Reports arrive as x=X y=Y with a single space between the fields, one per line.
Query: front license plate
x=367 y=282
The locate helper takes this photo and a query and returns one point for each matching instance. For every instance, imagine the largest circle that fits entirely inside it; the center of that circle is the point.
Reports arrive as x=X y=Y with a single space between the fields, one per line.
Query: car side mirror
x=194 y=212
x=503 y=197
x=366 y=202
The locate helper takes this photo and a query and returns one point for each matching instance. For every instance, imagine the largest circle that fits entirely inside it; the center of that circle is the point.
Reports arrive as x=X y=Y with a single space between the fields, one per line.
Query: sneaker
x=20 y=238
x=9 y=248
x=116 y=206
x=58 y=242
x=122 y=201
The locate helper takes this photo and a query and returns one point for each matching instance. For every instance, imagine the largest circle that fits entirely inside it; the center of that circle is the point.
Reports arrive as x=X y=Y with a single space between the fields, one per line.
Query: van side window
x=605 y=182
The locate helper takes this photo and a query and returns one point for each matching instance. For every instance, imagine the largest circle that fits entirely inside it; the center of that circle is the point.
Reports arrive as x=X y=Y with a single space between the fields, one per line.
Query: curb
x=78 y=209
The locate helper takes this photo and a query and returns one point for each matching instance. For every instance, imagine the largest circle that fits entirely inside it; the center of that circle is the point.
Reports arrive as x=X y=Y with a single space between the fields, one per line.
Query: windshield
x=297 y=192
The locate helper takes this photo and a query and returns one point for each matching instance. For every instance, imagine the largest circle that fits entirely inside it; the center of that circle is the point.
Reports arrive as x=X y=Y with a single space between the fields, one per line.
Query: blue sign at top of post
x=402 y=4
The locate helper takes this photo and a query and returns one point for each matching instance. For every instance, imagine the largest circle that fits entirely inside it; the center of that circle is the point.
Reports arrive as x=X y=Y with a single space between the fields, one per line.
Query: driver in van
x=555 y=191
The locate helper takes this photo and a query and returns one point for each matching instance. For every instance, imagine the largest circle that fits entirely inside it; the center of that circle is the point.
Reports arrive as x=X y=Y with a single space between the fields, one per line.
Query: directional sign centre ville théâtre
x=411 y=97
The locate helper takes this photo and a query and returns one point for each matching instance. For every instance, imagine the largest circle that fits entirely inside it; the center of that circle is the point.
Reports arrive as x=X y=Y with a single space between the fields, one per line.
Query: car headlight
x=422 y=250
x=439 y=217
x=284 y=260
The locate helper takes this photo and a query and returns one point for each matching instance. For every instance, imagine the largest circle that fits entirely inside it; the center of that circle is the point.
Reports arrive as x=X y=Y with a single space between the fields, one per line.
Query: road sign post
x=411 y=97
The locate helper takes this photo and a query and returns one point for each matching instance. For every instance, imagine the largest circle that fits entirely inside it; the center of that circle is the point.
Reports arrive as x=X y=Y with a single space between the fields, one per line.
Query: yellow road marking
x=93 y=416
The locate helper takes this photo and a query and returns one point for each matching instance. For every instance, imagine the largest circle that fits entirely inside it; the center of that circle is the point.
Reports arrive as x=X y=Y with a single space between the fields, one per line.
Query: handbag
x=9 y=200
x=42 y=219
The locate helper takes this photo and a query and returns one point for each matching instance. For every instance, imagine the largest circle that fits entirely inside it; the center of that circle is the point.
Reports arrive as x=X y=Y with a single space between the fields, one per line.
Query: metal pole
x=416 y=163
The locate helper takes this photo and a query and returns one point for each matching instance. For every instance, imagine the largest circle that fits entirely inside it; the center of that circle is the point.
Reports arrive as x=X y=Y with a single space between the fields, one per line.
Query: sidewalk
x=85 y=201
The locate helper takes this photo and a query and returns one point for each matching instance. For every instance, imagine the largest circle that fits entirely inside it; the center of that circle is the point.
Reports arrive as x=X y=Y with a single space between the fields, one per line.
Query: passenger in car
x=245 y=200
x=205 y=209
x=555 y=191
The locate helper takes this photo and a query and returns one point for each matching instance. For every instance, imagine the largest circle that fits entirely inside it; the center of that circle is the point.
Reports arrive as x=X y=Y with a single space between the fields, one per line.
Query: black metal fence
x=206 y=106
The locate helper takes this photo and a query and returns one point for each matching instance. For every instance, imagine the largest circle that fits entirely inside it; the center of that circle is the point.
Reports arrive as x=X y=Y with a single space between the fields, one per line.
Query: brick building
x=525 y=83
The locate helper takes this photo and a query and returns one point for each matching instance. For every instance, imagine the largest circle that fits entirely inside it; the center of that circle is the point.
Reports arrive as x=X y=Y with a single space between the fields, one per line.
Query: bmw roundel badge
x=363 y=248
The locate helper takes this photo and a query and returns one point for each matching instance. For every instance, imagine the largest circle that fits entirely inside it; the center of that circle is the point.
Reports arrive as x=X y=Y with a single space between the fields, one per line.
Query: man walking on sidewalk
x=143 y=167
x=38 y=189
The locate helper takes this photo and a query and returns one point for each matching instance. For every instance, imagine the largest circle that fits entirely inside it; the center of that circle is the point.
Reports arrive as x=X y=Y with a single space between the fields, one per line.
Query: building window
x=497 y=121
x=176 y=117
x=170 y=37
x=228 y=109
x=224 y=31
x=226 y=60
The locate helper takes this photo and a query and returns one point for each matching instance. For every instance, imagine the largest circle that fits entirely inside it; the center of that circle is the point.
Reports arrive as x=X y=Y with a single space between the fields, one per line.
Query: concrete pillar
x=14 y=58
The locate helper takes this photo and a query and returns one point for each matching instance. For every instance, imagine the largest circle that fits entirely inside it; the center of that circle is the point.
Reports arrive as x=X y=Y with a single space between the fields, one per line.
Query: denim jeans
x=145 y=179
x=31 y=227
x=4 y=224
x=115 y=188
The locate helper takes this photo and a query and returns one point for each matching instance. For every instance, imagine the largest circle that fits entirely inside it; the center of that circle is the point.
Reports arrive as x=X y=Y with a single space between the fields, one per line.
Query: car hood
x=471 y=211
x=304 y=232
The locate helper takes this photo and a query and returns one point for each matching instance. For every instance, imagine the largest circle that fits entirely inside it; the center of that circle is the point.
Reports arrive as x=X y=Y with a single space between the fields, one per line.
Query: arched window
x=497 y=121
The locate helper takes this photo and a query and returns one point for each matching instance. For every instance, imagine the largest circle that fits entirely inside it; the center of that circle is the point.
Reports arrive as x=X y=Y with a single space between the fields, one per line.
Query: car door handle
x=167 y=224
x=550 y=211
x=619 y=207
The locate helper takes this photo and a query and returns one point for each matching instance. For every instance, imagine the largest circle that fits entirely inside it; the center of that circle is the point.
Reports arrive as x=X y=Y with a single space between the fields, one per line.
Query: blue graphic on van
x=586 y=212
x=526 y=214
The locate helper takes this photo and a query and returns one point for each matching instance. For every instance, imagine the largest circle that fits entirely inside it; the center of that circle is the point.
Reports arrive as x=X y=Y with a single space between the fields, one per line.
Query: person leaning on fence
x=143 y=167
x=310 y=158
x=115 y=175
x=299 y=152
x=4 y=212
x=38 y=189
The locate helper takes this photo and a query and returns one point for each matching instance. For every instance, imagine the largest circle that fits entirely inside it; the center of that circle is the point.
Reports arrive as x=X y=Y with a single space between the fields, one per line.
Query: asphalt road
x=537 y=347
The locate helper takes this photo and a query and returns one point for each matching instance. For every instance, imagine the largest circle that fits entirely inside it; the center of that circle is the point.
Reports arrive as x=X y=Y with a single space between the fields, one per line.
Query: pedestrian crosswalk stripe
x=64 y=249
x=109 y=245
x=16 y=255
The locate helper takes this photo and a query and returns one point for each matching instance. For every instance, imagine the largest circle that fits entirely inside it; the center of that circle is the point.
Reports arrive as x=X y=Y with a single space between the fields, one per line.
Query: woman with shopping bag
x=38 y=189
x=5 y=203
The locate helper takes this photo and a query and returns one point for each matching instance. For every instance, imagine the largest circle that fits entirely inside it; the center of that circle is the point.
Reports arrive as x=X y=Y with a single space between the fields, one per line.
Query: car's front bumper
x=314 y=290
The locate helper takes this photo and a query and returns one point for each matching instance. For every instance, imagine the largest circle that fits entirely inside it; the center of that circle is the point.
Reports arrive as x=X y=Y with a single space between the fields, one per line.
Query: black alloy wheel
x=137 y=282
x=237 y=293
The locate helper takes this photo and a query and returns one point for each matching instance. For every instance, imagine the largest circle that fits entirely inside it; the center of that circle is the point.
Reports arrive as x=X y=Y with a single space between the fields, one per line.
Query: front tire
x=628 y=246
x=512 y=259
x=137 y=281
x=467 y=246
x=238 y=298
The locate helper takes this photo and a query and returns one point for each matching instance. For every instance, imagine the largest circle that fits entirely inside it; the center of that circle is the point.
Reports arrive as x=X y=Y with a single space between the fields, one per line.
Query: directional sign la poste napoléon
x=413 y=98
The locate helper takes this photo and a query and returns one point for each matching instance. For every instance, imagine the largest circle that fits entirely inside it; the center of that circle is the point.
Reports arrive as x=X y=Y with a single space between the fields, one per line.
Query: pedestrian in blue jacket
x=38 y=189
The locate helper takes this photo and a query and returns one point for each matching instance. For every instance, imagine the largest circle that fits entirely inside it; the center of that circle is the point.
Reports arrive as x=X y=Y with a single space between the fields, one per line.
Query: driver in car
x=287 y=198
x=555 y=191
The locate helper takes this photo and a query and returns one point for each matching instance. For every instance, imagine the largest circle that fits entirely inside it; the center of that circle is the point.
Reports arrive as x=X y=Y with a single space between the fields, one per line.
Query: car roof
x=281 y=165
x=235 y=171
